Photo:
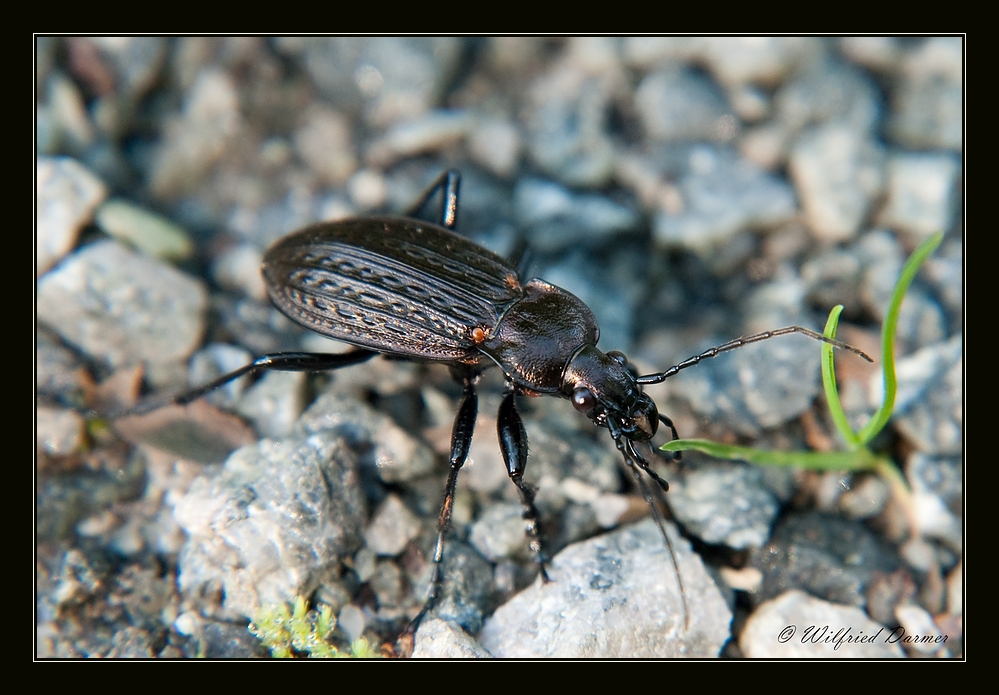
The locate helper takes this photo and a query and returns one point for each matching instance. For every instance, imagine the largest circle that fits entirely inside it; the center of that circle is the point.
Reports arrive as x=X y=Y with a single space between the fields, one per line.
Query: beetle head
x=604 y=388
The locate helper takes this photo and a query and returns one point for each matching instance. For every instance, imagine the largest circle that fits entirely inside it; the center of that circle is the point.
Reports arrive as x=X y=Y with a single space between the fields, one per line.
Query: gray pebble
x=724 y=503
x=496 y=144
x=391 y=528
x=922 y=191
x=830 y=557
x=756 y=387
x=798 y=626
x=937 y=497
x=499 y=532
x=928 y=102
x=271 y=523
x=393 y=453
x=437 y=639
x=123 y=308
x=555 y=219
x=67 y=194
x=830 y=92
x=427 y=133
x=274 y=403
x=721 y=196
x=211 y=362
x=566 y=126
x=238 y=268
x=614 y=596
x=928 y=403
x=681 y=105
x=838 y=173
x=58 y=432
x=917 y=622
x=466 y=586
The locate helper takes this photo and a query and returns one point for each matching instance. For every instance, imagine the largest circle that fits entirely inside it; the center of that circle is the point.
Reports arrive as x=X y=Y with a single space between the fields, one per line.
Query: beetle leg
x=448 y=182
x=676 y=455
x=644 y=465
x=278 y=361
x=513 y=444
x=461 y=439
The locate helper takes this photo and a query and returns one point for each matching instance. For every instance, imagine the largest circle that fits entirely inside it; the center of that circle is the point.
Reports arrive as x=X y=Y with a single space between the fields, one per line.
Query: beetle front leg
x=513 y=444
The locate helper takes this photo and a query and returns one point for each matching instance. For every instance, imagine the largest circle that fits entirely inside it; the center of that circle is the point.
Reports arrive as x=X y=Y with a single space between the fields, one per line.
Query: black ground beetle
x=415 y=290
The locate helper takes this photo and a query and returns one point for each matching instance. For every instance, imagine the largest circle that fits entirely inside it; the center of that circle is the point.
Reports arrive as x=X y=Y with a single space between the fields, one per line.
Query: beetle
x=416 y=290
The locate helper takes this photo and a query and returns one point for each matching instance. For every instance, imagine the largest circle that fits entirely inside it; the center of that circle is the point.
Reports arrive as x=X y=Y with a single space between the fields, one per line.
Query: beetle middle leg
x=461 y=440
x=513 y=444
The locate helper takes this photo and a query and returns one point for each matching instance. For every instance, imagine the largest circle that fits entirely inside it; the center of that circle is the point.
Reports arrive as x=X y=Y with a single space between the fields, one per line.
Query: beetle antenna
x=660 y=377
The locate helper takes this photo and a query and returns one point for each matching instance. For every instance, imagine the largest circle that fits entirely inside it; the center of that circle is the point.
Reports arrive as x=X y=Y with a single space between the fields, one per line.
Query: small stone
x=150 y=233
x=838 y=173
x=351 y=620
x=428 y=133
x=725 y=504
x=123 y=308
x=325 y=143
x=921 y=633
x=928 y=403
x=68 y=193
x=496 y=144
x=614 y=596
x=928 y=102
x=499 y=532
x=274 y=403
x=796 y=625
x=722 y=195
x=271 y=522
x=438 y=639
x=58 y=432
x=238 y=269
x=391 y=528
x=211 y=362
x=680 y=105
x=922 y=193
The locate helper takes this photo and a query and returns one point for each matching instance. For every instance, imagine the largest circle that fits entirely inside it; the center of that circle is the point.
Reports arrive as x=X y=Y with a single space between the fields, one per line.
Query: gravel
x=689 y=189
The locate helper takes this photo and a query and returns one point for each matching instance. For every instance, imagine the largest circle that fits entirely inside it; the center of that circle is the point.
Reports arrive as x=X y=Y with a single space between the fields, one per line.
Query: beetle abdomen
x=393 y=285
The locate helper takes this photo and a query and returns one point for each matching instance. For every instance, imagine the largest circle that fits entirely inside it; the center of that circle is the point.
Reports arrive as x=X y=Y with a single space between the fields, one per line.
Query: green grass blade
x=880 y=419
x=829 y=382
x=861 y=459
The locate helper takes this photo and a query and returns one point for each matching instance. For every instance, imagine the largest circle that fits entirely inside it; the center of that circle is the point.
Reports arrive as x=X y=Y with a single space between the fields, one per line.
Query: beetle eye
x=583 y=399
x=618 y=357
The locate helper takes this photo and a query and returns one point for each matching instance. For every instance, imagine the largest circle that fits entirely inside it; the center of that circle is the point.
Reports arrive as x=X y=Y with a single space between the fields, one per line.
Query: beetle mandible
x=415 y=290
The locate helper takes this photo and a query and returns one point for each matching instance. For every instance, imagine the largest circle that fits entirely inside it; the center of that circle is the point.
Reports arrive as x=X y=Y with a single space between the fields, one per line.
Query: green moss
x=300 y=632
